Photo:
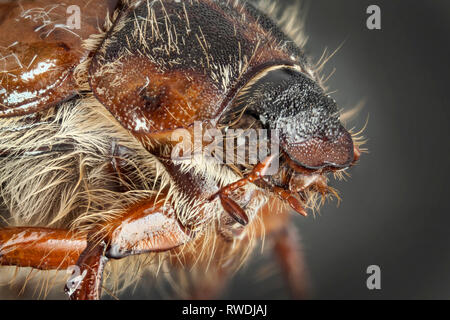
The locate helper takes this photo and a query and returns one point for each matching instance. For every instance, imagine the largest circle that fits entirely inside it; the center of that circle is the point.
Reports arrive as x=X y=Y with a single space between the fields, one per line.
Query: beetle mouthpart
x=300 y=182
x=257 y=175
x=357 y=154
x=301 y=188
x=234 y=210
x=290 y=198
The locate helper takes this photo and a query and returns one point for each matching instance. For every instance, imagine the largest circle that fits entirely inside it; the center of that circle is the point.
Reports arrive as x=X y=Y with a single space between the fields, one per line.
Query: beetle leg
x=233 y=209
x=39 y=248
x=150 y=226
x=229 y=205
x=91 y=264
x=288 y=250
x=146 y=227
x=291 y=199
x=258 y=172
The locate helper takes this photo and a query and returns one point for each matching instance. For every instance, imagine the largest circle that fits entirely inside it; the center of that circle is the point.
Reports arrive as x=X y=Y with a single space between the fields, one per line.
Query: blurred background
x=395 y=209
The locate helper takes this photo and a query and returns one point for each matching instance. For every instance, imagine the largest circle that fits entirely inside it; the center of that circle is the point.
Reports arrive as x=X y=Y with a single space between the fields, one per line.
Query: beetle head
x=305 y=118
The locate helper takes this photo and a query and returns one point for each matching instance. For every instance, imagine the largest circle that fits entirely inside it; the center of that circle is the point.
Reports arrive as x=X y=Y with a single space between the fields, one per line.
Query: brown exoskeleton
x=87 y=124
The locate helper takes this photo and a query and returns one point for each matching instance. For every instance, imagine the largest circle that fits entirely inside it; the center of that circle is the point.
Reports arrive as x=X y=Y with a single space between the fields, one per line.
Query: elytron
x=88 y=181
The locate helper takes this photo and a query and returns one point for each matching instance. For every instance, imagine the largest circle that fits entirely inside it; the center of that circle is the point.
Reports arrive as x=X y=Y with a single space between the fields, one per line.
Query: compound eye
x=321 y=151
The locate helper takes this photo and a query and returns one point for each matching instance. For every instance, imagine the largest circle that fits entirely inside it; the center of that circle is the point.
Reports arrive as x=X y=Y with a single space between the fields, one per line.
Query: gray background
x=395 y=208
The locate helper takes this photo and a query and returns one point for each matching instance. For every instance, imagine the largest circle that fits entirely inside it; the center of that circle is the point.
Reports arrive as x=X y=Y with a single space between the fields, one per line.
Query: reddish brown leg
x=291 y=199
x=39 y=248
x=147 y=227
x=258 y=172
x=287 y=248
x=229 y=205
x=91 y=265
x=233 y=209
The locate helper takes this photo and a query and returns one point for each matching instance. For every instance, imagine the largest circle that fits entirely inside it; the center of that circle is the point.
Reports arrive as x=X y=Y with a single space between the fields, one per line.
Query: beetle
x=90 y=122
